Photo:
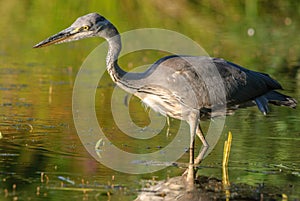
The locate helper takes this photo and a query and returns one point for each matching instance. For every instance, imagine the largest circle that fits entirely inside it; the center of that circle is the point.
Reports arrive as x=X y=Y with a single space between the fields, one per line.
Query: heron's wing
x=241 y=84
x=204 y=82
x=180 y=77
x=179 y=84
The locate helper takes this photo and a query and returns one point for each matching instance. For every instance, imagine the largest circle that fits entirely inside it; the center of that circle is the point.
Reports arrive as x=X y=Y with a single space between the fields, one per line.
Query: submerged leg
x=191 y=171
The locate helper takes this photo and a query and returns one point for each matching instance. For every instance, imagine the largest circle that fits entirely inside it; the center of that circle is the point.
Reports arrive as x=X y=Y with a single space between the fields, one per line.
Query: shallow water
x=41 y=154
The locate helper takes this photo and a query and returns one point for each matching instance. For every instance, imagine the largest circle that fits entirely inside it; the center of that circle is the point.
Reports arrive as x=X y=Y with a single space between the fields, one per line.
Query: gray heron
x=180 y=86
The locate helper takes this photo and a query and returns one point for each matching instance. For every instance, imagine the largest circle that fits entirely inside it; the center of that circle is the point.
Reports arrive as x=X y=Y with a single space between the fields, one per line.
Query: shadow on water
x=41 y=156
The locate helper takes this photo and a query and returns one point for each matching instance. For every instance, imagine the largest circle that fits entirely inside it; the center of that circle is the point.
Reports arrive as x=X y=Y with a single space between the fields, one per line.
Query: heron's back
x=177 y=84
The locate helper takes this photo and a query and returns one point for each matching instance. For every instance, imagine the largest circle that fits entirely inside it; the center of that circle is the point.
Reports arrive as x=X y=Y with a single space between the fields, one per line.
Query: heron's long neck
x=119 y=76
x=114 y=48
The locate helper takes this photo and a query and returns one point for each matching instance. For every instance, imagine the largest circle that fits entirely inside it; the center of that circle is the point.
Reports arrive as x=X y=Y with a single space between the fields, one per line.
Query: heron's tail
x=274 y=98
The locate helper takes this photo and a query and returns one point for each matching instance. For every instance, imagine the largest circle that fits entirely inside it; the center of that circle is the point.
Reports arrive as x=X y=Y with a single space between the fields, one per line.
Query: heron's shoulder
x=195 y=60
x=180 y=61
x=183 y=58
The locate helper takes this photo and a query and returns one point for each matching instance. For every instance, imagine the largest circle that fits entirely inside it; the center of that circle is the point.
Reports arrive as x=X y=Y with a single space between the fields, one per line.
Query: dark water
x=41 y=155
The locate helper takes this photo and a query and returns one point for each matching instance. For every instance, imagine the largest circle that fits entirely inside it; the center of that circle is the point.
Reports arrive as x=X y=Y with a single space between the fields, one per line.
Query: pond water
x=41 y=154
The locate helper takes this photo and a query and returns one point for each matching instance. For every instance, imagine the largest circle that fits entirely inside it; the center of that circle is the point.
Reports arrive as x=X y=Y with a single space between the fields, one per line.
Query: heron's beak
x=63 y=36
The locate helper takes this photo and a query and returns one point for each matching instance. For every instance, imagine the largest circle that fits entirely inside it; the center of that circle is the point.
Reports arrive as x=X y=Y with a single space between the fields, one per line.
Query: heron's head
x=89 y=25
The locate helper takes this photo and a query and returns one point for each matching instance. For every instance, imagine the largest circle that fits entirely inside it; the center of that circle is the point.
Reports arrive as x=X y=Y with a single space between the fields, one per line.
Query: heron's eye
x=85 y=28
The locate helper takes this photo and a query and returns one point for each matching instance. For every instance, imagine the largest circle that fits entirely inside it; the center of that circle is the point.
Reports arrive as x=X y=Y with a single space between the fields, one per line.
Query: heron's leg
x=200 y=134
x=204 y=148
x=168 y=123
x=191 y=171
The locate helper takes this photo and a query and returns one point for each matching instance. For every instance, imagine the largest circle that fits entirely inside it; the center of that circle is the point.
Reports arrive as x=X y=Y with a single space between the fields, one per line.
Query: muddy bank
x=206 y=189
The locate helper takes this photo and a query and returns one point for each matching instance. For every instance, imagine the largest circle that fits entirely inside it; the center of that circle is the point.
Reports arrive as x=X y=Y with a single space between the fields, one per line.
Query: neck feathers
x=114 y=49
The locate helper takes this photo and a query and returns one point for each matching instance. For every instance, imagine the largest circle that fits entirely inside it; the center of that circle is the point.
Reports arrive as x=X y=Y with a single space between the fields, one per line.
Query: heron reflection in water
x=177 y=86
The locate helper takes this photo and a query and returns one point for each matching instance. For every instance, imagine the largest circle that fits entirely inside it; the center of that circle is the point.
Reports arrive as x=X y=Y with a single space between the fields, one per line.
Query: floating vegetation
x=66 y=180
